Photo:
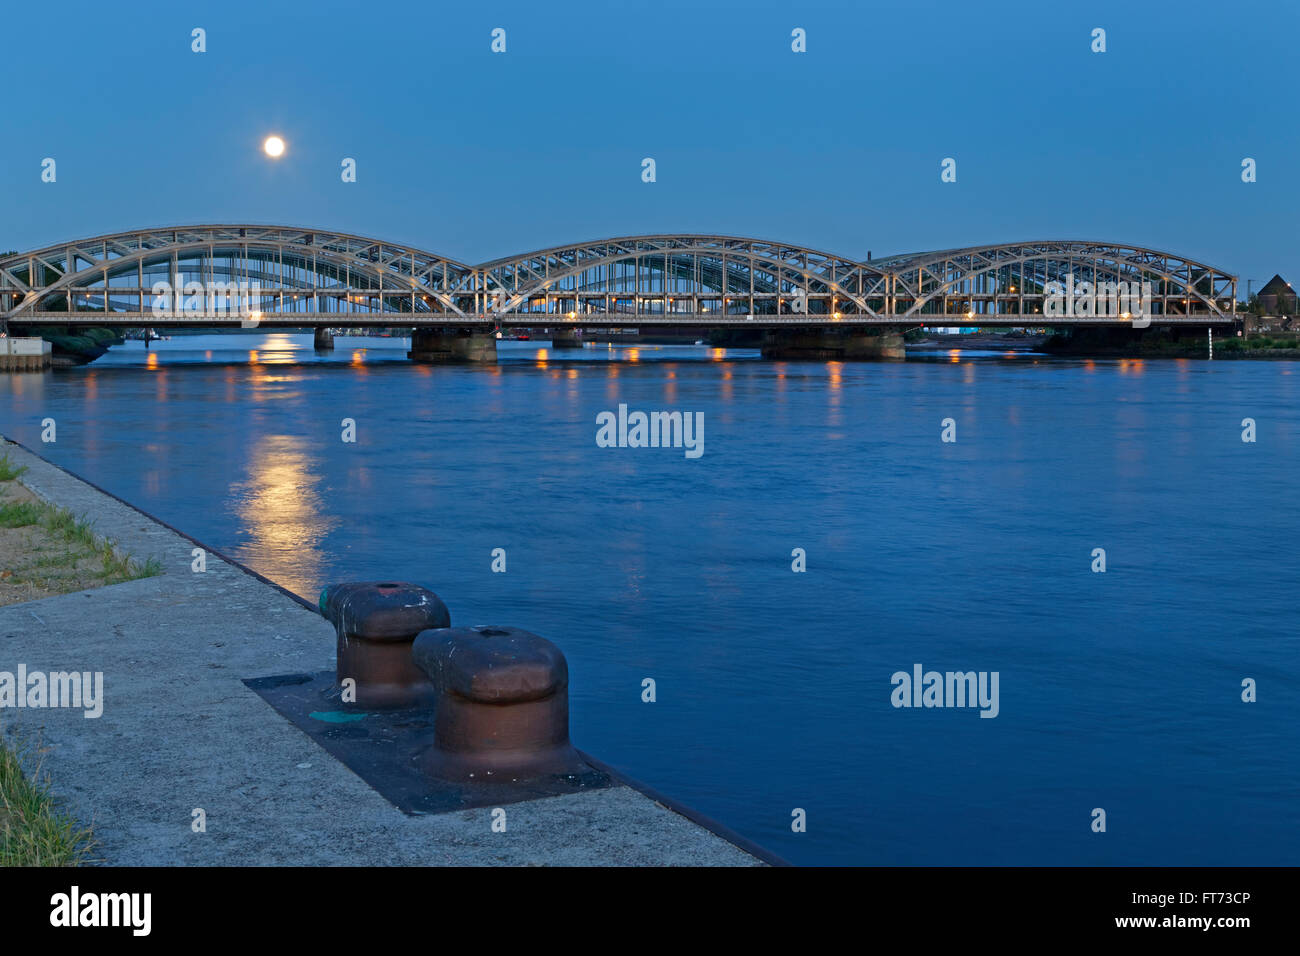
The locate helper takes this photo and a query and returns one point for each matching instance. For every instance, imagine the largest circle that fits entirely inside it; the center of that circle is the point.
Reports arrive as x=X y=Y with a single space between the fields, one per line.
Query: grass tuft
x=20 y=514
x=33 y=831
x=81 y=544
x=9 y=471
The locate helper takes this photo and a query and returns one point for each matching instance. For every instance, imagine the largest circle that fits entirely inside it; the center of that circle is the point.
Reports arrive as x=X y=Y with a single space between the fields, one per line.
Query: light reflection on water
x=284 y=520
x=1118 y=690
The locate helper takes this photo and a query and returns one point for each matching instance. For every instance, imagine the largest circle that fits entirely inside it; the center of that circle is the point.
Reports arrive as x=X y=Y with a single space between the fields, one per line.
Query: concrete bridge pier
x=24 y=354
x=824 y=344
x=566 y=338
x=323 y=340
x=437 y=346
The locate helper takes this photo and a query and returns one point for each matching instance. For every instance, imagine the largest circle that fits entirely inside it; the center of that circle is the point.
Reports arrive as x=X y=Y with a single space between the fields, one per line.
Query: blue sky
x=476 y=155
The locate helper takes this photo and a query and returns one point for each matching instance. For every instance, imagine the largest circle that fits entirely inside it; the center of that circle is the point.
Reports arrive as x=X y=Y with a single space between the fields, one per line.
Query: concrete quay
x=180 y=731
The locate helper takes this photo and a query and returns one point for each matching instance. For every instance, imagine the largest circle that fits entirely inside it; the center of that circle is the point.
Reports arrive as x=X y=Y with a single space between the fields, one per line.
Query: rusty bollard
x=376 y=624
x=503 y=705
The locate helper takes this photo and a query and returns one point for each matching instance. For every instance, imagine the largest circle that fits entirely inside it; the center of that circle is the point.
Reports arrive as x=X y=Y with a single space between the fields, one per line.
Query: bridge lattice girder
x=922 y=278
x=345 y=261
x=700 y=264
x=291 y=264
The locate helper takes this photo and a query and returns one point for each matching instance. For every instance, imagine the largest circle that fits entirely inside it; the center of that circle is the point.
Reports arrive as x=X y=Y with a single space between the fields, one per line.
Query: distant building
x=1277 y=297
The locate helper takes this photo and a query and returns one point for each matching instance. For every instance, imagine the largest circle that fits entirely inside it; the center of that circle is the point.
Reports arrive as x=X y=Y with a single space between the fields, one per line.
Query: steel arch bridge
x=298 y=277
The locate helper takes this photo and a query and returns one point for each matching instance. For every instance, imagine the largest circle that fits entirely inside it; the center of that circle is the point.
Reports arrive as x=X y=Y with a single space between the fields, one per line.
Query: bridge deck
x=343 y=320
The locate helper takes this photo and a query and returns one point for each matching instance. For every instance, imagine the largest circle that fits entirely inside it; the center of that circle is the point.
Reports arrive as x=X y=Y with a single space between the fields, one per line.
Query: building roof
x=1277 y=286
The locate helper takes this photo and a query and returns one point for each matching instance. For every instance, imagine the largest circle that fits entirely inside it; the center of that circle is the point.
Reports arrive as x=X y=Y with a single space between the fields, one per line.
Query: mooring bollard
x=376 y=624
x=503 y=705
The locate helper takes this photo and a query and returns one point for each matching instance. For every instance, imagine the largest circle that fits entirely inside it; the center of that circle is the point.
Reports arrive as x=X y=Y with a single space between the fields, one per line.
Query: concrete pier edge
x=699 y=819
x=696 y=838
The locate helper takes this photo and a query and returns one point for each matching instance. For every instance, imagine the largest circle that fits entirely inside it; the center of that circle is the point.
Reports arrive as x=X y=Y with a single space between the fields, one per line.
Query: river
x=1119 y=690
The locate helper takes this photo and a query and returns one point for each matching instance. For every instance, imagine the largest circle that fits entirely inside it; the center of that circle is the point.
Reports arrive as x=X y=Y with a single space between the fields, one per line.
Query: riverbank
x=46 y=550
x=1091 y=344
x=182 y=740
x=1158 y=343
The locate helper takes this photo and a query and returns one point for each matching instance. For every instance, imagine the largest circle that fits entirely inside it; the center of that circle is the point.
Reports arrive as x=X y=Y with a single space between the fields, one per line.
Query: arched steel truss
x=685 y=275
x=312 y=276
x=1011 y=278
x=305 y=270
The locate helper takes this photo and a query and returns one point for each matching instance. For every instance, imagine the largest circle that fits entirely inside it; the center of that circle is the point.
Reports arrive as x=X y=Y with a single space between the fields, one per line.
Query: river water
x=1119 y=690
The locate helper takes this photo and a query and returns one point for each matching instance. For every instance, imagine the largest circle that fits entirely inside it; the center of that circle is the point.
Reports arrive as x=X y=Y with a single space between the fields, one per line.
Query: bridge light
x=837 y=316
x=573 y=315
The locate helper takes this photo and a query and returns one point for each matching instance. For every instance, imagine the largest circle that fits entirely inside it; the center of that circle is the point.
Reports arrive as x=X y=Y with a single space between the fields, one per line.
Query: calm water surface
x=1118 y=690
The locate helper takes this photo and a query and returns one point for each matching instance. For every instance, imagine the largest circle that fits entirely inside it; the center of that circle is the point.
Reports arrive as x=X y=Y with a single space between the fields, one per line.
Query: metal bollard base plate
x=380 y=748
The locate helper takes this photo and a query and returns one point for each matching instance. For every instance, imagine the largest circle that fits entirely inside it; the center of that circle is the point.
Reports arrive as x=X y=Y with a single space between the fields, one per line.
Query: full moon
x=273 y=147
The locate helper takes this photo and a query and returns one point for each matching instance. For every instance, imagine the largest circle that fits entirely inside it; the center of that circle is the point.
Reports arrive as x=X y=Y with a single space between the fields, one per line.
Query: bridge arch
x=1011 y=277
x=308 y=270
x=685 y=273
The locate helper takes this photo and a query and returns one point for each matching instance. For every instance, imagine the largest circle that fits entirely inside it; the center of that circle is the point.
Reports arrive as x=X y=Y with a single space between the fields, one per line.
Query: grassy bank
x=45 y=550
x=1153 y=343
x=1259 y=346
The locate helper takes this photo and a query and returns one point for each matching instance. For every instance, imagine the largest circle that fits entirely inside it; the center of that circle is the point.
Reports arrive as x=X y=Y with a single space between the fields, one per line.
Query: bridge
x=294 y=277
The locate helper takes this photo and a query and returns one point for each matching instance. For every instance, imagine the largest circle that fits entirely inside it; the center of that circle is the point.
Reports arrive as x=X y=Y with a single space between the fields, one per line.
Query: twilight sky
x=475 y=155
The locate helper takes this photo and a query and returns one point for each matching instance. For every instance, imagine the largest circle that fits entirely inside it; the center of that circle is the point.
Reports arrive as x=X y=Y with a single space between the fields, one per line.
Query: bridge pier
x=24 y=354
x=437 y=346
x=566 y=338
x=323 y=340
x=833 y=344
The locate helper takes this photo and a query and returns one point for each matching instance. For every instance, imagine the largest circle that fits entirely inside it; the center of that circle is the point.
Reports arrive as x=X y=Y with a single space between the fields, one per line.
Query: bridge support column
x=453 y=345
x=323 y=340
x=566 y=338
x=24 y=354
x=833 y=344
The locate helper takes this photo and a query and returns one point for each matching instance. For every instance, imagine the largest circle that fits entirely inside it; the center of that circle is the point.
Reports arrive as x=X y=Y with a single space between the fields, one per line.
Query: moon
x=273 y=147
